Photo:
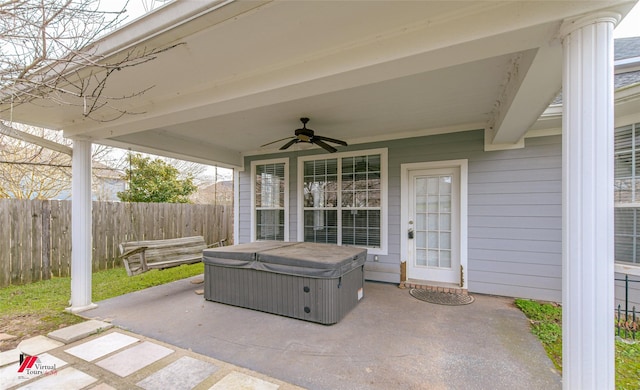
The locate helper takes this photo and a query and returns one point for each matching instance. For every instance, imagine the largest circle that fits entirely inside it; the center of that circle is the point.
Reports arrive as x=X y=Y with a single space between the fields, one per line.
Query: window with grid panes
x=342 y=200
x=270 y=191
x=627 y=193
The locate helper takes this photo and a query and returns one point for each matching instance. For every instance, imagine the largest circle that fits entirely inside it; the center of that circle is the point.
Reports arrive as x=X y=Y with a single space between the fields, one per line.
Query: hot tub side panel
x=322 y=300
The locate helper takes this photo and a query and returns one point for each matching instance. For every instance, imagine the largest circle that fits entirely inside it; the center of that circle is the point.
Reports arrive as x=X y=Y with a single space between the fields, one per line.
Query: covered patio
x=417 y=87
x=389 y=340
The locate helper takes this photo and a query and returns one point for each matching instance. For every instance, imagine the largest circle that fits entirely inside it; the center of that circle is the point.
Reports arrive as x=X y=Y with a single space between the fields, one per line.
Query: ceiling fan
x=308 y=136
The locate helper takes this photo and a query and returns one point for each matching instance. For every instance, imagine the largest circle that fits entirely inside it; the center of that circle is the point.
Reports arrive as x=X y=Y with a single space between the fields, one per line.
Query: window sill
x=629 y=269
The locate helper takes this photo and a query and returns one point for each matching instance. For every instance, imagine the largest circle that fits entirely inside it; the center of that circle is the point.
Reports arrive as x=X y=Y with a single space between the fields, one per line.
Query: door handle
x=410 y=233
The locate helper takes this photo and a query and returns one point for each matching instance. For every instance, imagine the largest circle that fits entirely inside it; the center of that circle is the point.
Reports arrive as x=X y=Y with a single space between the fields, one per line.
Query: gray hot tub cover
x=292 y=258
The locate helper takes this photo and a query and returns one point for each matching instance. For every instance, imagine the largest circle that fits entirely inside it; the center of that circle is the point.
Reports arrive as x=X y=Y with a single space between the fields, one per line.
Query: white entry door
x=433 y=225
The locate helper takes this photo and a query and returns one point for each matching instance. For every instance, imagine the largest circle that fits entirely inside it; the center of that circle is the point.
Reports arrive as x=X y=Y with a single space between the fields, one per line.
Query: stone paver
x=79 y=331
x=10 y=356
x=69 y=378
x=240 y=381
x=102 y=346
x=9 y=375
x=121 y=360
x=183 y=374
x=37 y=345
x=132 y=359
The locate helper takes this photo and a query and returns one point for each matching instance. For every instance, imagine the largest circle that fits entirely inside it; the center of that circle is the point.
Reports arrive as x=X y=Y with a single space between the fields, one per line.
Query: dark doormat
x=441 y=298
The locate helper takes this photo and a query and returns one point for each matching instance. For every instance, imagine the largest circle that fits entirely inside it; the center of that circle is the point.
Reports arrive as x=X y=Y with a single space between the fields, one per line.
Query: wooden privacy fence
x=35 y=235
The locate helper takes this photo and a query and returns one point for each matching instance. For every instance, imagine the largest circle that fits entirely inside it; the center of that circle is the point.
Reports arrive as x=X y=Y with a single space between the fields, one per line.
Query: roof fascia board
x=169 y=17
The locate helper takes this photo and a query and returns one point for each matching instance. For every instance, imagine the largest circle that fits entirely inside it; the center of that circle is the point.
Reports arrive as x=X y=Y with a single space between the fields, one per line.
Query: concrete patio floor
x=389 y=340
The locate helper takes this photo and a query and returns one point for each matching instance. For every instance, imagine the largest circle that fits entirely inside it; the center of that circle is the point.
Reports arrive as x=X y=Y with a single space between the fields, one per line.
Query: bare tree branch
x=29 y=171
x=44 y=44
x=24 y=136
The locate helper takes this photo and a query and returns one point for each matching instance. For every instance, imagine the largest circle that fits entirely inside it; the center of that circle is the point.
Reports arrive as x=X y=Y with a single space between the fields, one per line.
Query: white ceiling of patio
x=361 y=70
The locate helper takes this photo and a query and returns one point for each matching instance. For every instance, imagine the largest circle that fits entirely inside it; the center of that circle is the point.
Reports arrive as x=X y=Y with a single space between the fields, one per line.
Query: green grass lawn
x=38 y=308
x=546 y=323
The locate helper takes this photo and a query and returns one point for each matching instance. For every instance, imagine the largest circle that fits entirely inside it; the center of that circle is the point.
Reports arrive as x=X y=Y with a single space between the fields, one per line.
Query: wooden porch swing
x=141 y=256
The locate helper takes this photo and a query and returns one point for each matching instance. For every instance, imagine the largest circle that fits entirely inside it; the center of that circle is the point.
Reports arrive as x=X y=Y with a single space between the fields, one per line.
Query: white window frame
x=384 y=173
x=254 y=164
x=622 y=266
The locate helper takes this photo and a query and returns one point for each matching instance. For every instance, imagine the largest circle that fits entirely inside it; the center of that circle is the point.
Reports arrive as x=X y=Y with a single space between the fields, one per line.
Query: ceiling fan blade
x=323 y=145
x=273 y=142
x=335 y=141
x=286 y=146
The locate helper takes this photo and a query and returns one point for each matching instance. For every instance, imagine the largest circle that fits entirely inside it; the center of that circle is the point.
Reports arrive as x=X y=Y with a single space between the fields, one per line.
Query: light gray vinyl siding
x=514 y=211
x=515 y=221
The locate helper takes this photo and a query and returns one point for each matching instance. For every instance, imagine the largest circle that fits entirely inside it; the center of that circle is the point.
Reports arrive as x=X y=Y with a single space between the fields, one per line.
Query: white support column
x=236 y=206
x=81 y=227
x=587 y=290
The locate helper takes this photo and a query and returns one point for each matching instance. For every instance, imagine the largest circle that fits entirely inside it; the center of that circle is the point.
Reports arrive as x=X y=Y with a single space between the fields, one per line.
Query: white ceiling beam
x=532 y=84
x=33 y=139
x=164 y=144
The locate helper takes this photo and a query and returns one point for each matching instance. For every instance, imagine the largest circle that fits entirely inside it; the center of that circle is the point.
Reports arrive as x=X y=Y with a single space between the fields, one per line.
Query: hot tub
x=308 y=281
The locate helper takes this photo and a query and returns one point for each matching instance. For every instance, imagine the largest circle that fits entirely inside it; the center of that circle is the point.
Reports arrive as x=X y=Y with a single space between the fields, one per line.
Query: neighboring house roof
x=626 y=79
x=626 y=48
x=106 y=172
x=627 y=62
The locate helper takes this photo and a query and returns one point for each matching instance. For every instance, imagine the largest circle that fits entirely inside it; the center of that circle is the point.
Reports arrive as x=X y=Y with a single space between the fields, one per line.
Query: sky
x=630 y=25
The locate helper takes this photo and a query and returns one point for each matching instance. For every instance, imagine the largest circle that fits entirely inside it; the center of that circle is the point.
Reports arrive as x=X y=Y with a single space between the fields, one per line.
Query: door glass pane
x=421 y=186
x=421 y=239
x=433 y=258
x=445 y=221
x=433 y=221
x=445 y=259
x=445 y=203
x=432 y=216
x=432 y=186
x=421 y=204
x=445 y=185
x=433 y=240
x=421 y=257
x=432 y=204
x=445 y=240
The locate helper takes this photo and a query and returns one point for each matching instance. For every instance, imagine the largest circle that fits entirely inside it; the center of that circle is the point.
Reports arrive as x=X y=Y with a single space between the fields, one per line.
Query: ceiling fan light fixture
x=308 y=136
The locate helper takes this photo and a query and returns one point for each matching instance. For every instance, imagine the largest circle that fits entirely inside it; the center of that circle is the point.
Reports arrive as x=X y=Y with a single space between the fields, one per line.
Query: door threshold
x=433 y=286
